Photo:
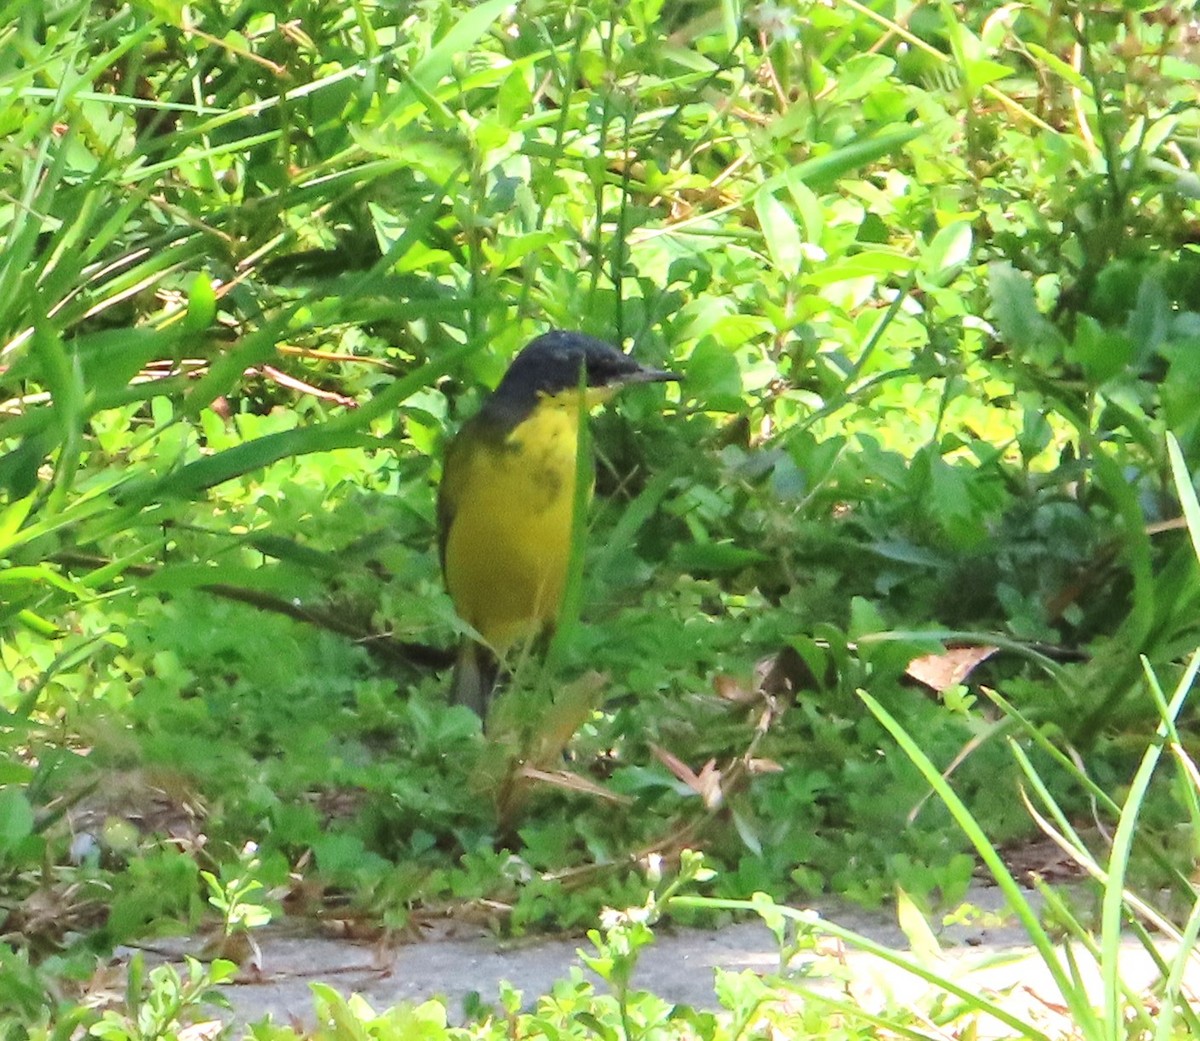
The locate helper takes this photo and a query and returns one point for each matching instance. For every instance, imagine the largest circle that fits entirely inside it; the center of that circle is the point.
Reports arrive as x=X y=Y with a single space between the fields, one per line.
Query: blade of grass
x=1113 y=905
x=1186 y=491
x=439 y=62
x=810 y=920
x=1080 y=1006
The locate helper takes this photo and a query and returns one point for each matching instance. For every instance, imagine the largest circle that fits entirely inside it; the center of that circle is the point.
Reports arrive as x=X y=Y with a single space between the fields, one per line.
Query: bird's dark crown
x=556 y=361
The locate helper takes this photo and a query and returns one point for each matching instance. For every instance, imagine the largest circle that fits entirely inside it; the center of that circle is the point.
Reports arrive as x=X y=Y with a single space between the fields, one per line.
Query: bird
x=506 y=500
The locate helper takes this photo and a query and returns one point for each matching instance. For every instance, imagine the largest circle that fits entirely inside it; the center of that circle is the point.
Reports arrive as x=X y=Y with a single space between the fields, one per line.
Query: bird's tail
x=475 y=676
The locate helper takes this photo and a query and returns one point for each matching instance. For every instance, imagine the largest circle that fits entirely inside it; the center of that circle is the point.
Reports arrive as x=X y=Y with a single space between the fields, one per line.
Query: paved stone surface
x=679 y=967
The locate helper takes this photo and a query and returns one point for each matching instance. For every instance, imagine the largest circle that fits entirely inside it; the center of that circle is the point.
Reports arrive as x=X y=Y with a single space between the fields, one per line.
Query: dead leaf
x=784 y=673
x=730 y=688
x=206 y=1031
x=940 y=672
x=706 y=783
x=575 y=783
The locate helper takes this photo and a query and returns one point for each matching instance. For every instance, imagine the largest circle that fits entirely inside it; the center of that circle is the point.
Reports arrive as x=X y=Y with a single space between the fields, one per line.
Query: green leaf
x=226 y=372
x=867 y=263
x=12 y=773
x=282 y=548
x=274 y=579
x=39 y=574
x=808 y=207
x=1149 y=322
x=12 y=517
x=950 y=501
x=202 y=304
x=947 y=253
x=780 y=233
x=1186 y=490
x=16 y=817
x=864 y=618
x=1101 y=351
x=915 y=926
x=716 y=557
x=1014 y=306
x=982 y=71
x=748 y=829
x=423 y=78
x=112 y=357
x=35 y=623
x=1072 y=76
x=19 y=474
x=63 y=377
x=862 y=74
x=714 y=376
x=825 y=169
x=194 y=478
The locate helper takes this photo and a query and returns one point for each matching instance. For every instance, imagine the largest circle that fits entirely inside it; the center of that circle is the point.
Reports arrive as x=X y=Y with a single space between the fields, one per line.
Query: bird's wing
x=447 y=506
x=456 y=479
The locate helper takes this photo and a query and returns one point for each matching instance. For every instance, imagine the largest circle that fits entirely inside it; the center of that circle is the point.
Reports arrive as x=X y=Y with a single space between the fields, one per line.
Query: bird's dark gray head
x=558 y=361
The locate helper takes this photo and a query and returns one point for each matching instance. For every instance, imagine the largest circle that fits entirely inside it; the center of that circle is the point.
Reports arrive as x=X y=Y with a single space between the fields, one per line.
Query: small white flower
x=774 y=21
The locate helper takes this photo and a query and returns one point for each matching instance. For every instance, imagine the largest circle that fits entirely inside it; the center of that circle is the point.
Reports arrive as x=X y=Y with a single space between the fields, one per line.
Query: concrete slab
x=992 y=959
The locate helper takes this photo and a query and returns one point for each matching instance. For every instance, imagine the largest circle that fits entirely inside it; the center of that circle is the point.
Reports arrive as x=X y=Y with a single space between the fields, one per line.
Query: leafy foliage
x=929 y=274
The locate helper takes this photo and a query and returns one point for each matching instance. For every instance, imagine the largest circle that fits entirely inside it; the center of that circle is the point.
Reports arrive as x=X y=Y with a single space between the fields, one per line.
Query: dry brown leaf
x=940 y=672
x=706 y=783
x=205 y=1031
x=575 y=783
x=784 y=673
x=730 y=688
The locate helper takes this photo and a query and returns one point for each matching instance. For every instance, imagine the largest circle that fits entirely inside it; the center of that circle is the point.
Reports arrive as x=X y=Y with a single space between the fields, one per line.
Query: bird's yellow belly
x=509 y=545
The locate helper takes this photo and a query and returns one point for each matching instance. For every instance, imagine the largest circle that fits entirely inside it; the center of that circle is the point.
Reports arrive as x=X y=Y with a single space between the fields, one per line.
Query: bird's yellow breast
x=508 y=546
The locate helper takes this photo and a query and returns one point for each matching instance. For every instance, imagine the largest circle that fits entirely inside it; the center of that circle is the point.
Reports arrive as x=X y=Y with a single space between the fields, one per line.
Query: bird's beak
x=645 y=375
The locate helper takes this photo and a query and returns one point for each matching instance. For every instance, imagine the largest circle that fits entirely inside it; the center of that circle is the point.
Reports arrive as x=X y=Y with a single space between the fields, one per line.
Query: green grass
x=930 y=281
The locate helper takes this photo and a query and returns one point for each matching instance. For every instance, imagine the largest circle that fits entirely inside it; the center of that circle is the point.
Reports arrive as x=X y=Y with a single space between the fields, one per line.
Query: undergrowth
x=929 y=276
